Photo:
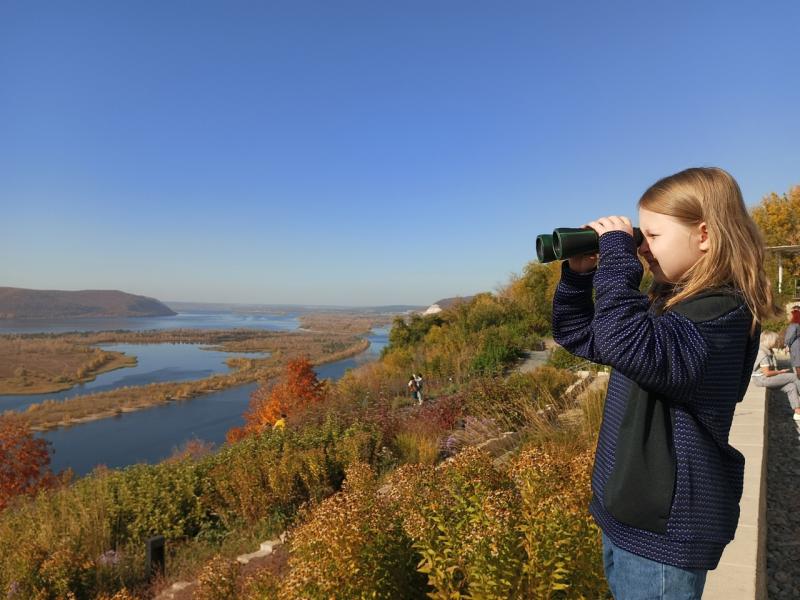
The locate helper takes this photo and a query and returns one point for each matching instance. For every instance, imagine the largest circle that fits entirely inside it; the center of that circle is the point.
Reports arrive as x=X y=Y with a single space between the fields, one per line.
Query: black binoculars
x=566 y=242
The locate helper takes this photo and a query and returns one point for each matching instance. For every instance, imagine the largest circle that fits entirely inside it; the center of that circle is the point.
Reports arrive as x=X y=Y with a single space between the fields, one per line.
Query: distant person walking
x=766 y=373
x=792 y=339
x=413 y=388
x=280 y=424
x=418 y=379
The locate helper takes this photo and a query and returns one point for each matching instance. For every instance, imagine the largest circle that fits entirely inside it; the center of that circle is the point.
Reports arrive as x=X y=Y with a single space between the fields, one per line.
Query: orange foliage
x=300 y=390
x=24 y=460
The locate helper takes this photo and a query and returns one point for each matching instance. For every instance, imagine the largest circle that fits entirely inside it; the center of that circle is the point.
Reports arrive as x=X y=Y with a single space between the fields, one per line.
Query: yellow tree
x=778 y=218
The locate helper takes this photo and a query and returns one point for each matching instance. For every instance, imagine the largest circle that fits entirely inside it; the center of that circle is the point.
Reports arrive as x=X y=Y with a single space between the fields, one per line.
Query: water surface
x=184 y=320
x=152 y=434
x=155 y=363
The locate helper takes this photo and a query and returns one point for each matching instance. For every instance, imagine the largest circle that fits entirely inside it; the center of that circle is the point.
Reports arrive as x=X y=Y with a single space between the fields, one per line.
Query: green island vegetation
x=33 y=366
x=480 y=492
x=319 y=347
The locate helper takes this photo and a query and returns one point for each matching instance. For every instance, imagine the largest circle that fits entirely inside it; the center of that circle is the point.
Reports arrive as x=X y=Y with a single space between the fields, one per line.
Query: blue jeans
x=633 y=577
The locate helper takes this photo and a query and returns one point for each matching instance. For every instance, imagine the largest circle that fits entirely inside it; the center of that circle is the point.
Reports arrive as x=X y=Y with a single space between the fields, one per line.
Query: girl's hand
x=587 y=262
x=606 y=224
x=583 y=262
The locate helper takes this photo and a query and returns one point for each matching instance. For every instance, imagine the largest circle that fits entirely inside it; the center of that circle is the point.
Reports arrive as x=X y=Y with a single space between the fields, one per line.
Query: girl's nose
x=644 y=248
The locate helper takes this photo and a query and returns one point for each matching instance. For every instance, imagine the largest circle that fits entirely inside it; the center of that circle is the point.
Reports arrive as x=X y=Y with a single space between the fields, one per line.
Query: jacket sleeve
x=573 y=312
x=665 y=353
x=792 y=333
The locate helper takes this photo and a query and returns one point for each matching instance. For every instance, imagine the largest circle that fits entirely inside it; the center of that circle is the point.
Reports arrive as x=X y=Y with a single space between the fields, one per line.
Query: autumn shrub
x=261 y=585
x=420 y=436
x=218 y=580
x=444 y=412
x=88 y=538
x=279 y=471
x=298 y=390
x=521 y=531
x=61 y=541
x=24 y=460
x=371 y=382
x=562 y=545
x=462 y=518
x=66 y=569
x=383 y=417
x=353 y=545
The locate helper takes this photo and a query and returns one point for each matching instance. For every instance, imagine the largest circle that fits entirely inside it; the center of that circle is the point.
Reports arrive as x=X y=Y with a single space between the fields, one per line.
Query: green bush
x=497 y=348
x=146 y=500
x=277 y=472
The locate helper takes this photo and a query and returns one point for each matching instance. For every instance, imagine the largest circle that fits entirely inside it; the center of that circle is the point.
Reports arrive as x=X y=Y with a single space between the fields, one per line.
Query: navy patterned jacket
x=666 y=484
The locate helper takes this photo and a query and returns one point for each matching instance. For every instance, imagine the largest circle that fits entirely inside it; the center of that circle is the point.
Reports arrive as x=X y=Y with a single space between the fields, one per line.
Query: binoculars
x=566 y=242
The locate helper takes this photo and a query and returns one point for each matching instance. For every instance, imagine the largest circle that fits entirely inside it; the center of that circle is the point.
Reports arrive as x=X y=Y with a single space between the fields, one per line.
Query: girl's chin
x=658 y=275
x=659 y=278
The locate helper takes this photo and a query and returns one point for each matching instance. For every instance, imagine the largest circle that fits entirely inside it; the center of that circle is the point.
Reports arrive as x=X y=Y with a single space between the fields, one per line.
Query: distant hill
x=19 y=303
x=441 y=305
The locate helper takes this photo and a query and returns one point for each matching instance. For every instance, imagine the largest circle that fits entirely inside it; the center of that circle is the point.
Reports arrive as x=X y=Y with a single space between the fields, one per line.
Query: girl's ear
x=704 y=245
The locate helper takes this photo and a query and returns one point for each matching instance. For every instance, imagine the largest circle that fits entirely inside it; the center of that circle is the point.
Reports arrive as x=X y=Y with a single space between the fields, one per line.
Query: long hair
x=735 y=257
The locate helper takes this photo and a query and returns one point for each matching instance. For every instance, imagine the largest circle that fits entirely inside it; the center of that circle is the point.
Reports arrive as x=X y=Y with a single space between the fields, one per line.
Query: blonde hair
x=735 y=256
x=768 y=340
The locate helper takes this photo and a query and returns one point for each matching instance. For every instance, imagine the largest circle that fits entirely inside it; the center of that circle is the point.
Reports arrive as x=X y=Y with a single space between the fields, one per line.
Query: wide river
x=153 y=434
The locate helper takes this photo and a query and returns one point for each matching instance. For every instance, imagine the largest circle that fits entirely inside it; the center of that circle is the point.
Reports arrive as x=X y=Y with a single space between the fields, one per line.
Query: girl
x=766 y=373
x=792 y=339
x=666 y=484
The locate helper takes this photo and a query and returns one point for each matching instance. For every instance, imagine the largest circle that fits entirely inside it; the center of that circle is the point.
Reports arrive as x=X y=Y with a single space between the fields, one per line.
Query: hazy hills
x=20 y=303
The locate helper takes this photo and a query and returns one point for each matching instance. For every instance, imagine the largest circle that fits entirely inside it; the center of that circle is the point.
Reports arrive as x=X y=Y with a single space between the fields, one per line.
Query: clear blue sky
x=363 y=153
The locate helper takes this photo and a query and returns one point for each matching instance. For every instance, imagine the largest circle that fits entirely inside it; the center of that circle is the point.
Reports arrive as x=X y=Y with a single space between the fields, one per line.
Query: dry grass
x=343 y=322
x=36 y=366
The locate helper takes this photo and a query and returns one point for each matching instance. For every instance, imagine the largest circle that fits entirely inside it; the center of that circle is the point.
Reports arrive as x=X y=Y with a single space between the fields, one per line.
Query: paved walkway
x=741 y=574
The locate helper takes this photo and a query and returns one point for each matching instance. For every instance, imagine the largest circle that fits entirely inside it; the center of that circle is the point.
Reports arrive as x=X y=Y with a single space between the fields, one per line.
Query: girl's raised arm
x=573 y=312
x=662 y=353
x=665 y=353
